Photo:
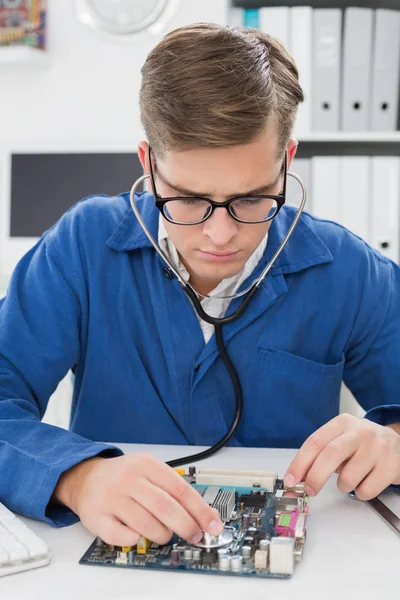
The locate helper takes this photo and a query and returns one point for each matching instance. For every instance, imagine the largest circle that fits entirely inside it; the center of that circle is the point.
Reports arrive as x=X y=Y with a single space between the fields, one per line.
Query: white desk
x=350 y=553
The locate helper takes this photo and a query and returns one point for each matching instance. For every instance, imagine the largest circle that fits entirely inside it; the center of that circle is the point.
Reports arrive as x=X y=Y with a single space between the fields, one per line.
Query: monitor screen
x=45 y=186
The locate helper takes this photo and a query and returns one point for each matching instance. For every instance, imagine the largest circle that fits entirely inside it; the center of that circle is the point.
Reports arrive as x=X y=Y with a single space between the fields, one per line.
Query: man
x=218 y=107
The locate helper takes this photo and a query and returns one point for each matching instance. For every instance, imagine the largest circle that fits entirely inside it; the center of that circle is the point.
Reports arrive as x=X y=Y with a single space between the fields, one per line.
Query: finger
x=173 y=484
x=138 y=519
x=355 y=470
x=312 y=447
x=168 y=511
x=115 y=533
x=328 y=461
x=342 y=466
x=376 y=481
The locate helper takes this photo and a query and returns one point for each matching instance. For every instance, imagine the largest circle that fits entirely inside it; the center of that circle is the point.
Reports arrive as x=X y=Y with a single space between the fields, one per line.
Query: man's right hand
x=120 y=499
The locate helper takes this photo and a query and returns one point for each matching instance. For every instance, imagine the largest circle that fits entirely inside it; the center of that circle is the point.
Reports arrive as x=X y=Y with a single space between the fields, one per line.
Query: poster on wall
x=23 y=22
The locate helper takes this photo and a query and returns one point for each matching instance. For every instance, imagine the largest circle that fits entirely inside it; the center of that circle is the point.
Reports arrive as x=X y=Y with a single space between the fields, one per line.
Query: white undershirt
x=215 y=307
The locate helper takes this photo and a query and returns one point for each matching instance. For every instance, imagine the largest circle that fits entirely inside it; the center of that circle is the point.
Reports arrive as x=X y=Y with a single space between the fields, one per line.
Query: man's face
x=219 y=247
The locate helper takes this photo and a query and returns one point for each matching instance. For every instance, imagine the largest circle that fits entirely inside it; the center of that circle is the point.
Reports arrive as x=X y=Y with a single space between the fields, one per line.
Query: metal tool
x=382 y=510
x=209 y=541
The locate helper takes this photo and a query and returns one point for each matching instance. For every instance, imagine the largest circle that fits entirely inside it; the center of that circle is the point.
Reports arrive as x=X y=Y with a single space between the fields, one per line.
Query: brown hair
x=206 y=85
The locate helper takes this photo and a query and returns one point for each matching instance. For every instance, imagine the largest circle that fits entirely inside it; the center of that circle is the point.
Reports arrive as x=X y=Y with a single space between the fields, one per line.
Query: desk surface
x=350 y=553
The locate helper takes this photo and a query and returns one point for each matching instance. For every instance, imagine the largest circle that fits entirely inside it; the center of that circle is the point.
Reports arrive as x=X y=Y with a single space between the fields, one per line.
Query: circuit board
x=264 y=530
x=23 y=22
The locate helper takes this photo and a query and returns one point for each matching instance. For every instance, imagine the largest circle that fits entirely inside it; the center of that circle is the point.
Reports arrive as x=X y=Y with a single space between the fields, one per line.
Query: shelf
x=17 y=55
x=391 y=4
x=350 y=136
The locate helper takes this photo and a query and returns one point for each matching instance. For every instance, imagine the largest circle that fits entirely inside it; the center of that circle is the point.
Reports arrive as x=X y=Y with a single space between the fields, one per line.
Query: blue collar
x=304 y=249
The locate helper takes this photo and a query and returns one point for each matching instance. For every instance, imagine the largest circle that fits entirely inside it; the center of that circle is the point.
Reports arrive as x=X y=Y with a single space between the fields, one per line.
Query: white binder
x=386 y=70
x=300 y=46
x=236 y=16
x=385 y=211
x=302 y=167
x=275 y=21
x=357 y=66
x=325 y=187
x=355 y=195
x=326 y=68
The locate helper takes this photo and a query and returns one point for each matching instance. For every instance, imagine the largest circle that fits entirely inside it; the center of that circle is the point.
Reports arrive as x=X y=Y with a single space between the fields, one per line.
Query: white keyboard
x=20 y=548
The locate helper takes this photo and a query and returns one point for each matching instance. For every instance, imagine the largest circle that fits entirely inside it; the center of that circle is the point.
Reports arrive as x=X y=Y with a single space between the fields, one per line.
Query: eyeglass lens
x=246 y=209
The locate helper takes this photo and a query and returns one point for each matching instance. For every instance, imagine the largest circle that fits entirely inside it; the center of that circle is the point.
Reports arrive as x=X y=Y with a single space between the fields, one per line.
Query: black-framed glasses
x=193 y=210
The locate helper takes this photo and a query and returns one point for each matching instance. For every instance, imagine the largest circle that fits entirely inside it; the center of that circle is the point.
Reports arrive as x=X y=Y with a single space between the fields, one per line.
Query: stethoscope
x=218 y=322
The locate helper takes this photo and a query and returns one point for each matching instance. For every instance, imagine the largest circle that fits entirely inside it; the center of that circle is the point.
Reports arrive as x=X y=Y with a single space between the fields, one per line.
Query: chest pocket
x=293 y=397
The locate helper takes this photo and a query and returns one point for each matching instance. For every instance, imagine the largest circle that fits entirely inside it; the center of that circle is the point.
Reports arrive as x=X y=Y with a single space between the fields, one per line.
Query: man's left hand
x=366 y=456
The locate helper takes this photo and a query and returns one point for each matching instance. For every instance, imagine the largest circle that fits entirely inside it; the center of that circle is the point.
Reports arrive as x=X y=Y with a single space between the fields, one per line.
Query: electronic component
x=260 y=559
x=299 y=487
x=236 y=562
x=188 y=554
x=233 y=477
x=264 y=531
x=175 y=557
x=122 y=558
x=222 y=499
x=196 y=554
x=143 y=545
x=249 y=500
x=291 y=524
x=281 y=555
x=224 y=562
x=264 y=544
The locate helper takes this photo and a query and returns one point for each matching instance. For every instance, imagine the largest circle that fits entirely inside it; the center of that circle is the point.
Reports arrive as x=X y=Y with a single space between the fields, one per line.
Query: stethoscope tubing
x=218 y=322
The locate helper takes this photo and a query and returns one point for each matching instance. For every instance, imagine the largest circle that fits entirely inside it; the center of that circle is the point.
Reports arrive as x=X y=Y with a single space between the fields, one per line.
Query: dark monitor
x=45 y=186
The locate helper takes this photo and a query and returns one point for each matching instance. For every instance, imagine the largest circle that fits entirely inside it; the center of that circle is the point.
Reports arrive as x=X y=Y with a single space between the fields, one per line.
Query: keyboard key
x=4 y=557
x=15 y=549
x=33 y=544
x=20 y=548
x=5 y=513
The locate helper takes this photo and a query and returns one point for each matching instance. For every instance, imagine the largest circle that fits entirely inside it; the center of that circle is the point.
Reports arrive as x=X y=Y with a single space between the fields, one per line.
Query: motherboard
x=23 y=22
x=264 y=530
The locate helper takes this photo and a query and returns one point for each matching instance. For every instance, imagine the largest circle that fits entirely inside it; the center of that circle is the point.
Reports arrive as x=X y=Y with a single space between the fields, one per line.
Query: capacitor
x=196 y=554
x=236 y=562
x=246 y=551
x=252 y=530
x=245 y=521
x=242 y=506
x=175 y=557
x=264 y=544
x=224 y=562
x=258 y=521
x=188 y=554
x=248 y=540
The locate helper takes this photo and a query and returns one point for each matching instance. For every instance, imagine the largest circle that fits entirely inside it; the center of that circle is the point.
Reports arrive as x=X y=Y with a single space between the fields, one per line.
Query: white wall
x=87 y=95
